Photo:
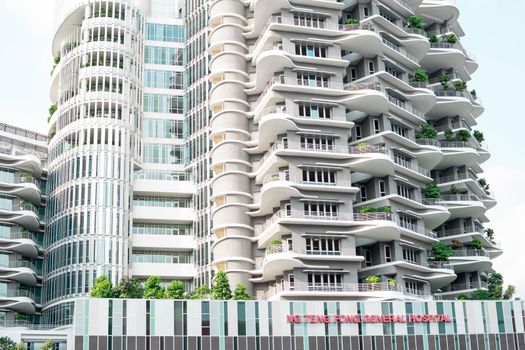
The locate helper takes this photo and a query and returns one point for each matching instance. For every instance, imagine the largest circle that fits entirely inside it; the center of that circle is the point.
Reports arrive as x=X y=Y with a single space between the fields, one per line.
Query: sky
x=26 y=32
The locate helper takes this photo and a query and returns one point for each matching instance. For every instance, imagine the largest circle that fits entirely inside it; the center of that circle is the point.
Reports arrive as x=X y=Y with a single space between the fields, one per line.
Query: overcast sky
x=26 y=31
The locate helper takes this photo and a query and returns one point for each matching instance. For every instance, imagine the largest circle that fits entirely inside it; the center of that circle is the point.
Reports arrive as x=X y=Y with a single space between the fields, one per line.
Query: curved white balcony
x=463 y=205
x=22 y=243
x=439 y=10
x=25 y=187
x=22 y=301
x=373 y=226
x=453 y=290
x=20 y=271
x=452 y=102
x=470 y=260
x=449 y=55
x=28 y=163
x=460 y=153
x=437 y=274
x=467 y=181
x=25 y=215
x=344 y=291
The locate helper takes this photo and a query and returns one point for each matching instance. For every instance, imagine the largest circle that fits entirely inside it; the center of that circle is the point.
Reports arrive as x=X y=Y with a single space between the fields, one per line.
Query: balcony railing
x=460 y=198
x=454 y=126
x=438 y=265
x=456 y=144
x=399 y=49
x=454 y=287
x=427 y=142
x=405 y=106
x=280 y=248
x=417 y=228
x=469 y=252
x=367 y=149
x=409 y=165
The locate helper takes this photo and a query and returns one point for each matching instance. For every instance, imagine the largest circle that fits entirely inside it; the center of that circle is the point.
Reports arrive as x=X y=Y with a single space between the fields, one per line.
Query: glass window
x=159 y=103
x=164 y=32
x=163 y=55
x=160 y=79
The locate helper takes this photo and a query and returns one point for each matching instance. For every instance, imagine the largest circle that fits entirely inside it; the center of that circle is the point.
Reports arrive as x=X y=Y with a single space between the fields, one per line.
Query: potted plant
x=456 y=244
x=444 y=79
x=463 y=135
x=392 y=282
x=372 y=281
x=474 y=94
x=476 y=244
x=449 y=135
x=478 y=135
x=352 y=21
x=415 y=22
x=454 y=189
x=490 y=233
x=420 y=76
x=441 y=252
x=433 y=38
x=451 y=38
x=460 y=86
x=276 y=242
x=432 y=191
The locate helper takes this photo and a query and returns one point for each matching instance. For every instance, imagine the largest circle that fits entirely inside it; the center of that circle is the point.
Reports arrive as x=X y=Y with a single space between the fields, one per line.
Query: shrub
x=153 y=289
x=474 y=94
x=221 y=287
x=420 y=75
x=175 y=290
x=102 y=288
x=441 y=252
x=240 y=293
x=432 y=191
x=454 y=189
x=478 y=135
x=202 y=292
x=451 y=38
x=52 y=110
x=48 y=345
x=490 y=233
x=415 y=22
x=444 y=79
x=426 y=131
x=369 y=209
x=276 y=242
x=57 y=58
x=352 y=21
x=463 y=135
x=392 y=282
x=433 y=38
x=449 y=135
x=373 y=279
x=460 y=86
x=476 y=244
x=129 y=288
x=456 y=244
x=7 y=343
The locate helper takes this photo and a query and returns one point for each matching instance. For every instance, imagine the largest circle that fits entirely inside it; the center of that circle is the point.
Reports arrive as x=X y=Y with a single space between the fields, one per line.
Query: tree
x=441 y=252
x=496 y=285
x=48 y=345
x=420 y=75
x=175 y=290
x=490 y=233
x=426 y=131
x=129 y=288
x=220 y=289
x=240 y=293
x=102 y=288
x=480 y=294
x=202 y=292
x=509 y=293
x=20 y=346
x=153 y=289
x=7 y=343
x=432 y=191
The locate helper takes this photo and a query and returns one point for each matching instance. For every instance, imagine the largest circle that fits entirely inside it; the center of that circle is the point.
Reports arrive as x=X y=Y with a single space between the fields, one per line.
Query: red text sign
x=417 y=318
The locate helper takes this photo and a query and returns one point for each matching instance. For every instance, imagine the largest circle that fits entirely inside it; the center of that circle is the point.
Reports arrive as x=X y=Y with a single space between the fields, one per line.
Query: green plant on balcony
x=426 y=131
x=451 y=38
x=352 y=21
x=444 y=79
x=26 y=174
x=454 y=189
x=392 y=282
x=449 y=135
x=460 y=86
x=373 y=279
x=362 y=145
x=276 y=242
x=369 y=209
x=432 y=191
x=490 y=233
x=463 y=135
x=441 y=252
x=478 y=135
x=483 y=183
x=474 y=94
x=433 y=38
x=52 y=111
x=415 y=22
x=21 y=317
x=476 y=244
x=52 y=131
x=57 y=58
x=456 y=244
x=420 y=75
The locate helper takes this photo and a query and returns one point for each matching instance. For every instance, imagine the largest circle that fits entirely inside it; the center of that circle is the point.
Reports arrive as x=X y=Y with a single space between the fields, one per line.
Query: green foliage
x=57 y=58
x=432 y=191
x=433 y=38
x=454 y=189
x=462 y=135
x=460 y=86
x=153 y=289
x=462 y=297
x=21 y=317
x=451 y=38
x=480 y=294
x=449 y=135
x=276 y=242
x=474 y=94
x=509 y=293
x=7 y=343
x=496 y=285
x=102 y=288
x=420 y=75
x=426 y=131
x=220 y=289
x=392 y=282
x=369 y=209
x=441 y=252
x=476 y=244
x=490 y=233
x=456 y=244
x=175 y=290
x=202 y=292
x=352 y=21
x=129 y=288
x=240 y=293
x=478 y=135
x=444 y=80
x=415 y=22
x=48 y=345
x=373 y=279
x=20 y=346
x=52 y=110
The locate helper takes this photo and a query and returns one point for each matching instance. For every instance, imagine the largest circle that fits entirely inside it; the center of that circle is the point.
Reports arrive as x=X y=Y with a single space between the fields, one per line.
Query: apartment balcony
x=453 y=290
x=22 y=242
x=400 y=53
x=376 y=226
x=344 y=291
x=405 y=109
x=24 y=214
x=22 y=301
x=466 y=180
x=470 y=260
x=452 y=102
x=23 y=272
x=454 y=126
x=466 y=234
x=25 y=187
x=450 y=56
x=163 y=242
x=182 y=271
x=163 y=187
x=410 y=168
x=417 y=231
x=163 y=215
x=460 y=153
